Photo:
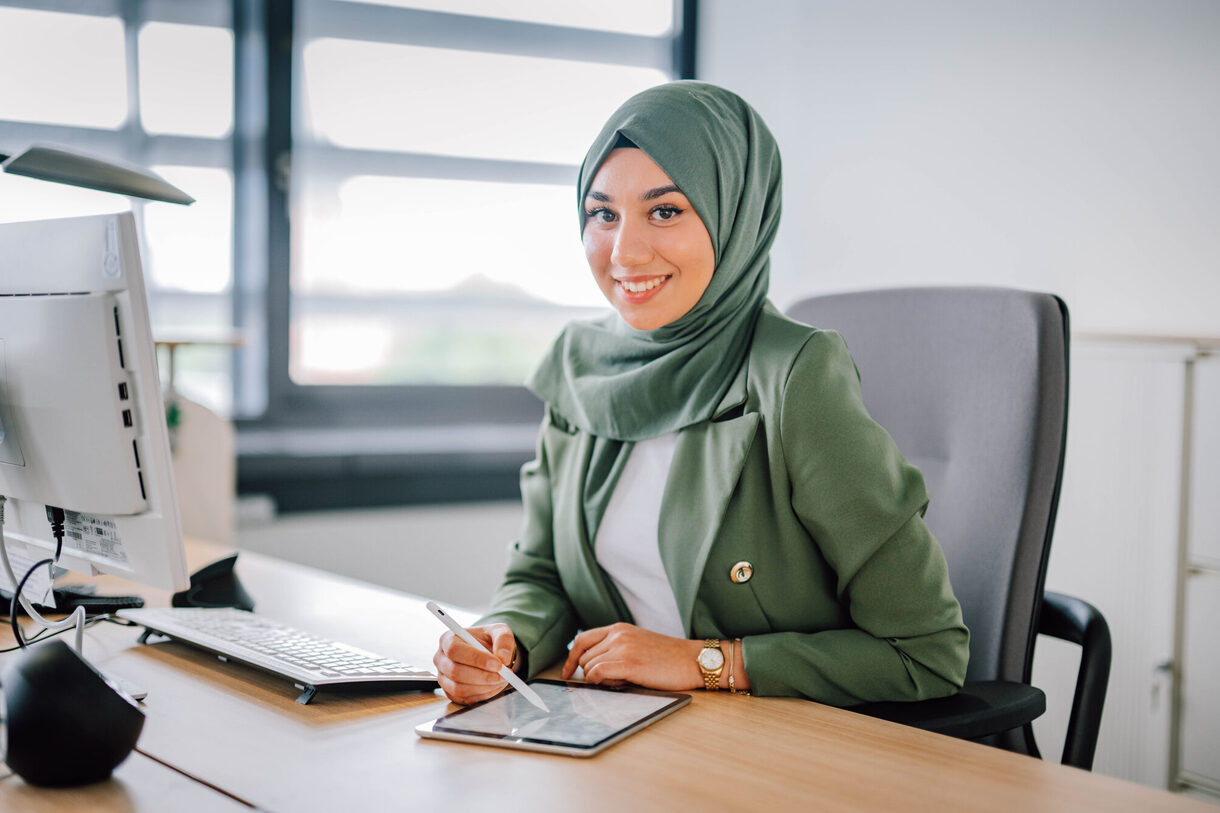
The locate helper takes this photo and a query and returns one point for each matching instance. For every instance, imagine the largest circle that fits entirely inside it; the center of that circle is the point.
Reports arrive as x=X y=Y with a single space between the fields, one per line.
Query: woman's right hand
x=468 y=675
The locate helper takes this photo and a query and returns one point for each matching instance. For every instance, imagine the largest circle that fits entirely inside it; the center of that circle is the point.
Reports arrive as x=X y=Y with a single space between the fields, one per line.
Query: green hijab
x=620 y=383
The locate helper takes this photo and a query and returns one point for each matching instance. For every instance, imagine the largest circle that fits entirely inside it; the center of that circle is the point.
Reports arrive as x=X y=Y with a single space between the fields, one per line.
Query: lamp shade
x=80 y=169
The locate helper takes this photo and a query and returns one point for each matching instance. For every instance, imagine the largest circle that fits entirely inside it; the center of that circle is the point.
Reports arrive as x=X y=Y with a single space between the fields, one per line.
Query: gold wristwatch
x=711 y=663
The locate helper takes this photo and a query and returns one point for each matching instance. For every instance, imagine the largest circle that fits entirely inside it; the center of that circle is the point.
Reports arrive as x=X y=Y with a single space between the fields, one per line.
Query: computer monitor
x=82 y=421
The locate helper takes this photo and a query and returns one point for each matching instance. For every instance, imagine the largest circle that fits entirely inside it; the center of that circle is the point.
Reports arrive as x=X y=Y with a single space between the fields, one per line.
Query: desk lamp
x=65 y=723
x=80 y=169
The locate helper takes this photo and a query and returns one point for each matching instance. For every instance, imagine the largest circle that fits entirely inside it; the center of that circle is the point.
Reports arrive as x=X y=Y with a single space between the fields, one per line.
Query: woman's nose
x=631 y=246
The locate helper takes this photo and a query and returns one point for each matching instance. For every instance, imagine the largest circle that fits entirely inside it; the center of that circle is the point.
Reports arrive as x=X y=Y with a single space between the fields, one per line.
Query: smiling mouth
x=642 y=286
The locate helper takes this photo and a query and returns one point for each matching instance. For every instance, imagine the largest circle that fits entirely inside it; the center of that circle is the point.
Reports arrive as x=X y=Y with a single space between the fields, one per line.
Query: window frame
x=130 y=141
x=448 y=408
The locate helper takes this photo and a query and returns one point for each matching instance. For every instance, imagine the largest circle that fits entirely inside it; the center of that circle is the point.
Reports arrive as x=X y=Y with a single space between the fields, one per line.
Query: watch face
x=711 y=659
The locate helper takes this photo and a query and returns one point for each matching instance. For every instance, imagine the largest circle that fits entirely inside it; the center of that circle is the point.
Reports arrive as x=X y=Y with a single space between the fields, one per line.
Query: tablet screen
x=581 y=716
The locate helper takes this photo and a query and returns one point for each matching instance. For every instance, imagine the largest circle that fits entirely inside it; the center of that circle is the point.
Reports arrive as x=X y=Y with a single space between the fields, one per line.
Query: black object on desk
x=69 y=597
x=66 y=724
x=215 y=585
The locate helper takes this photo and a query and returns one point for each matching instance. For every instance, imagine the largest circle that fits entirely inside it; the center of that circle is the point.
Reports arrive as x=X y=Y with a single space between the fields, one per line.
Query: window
x=435 y=154
x=385 y=206
x=186 y=79
x=73 y=68
x=149 y=83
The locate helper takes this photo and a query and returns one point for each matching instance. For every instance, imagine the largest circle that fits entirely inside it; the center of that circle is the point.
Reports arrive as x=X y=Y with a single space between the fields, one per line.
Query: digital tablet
x=584 y=720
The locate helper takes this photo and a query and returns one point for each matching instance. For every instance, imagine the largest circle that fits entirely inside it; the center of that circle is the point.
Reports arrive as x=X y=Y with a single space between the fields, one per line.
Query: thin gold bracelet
x=732 y=682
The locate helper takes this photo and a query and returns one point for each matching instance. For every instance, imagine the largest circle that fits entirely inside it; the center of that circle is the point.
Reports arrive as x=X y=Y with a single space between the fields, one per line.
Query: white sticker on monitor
x=95 y=535
x=37 y=588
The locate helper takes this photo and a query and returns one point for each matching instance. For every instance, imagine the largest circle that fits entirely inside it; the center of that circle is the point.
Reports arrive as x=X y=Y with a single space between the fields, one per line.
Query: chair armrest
x=980 y=709
x=1072 y=619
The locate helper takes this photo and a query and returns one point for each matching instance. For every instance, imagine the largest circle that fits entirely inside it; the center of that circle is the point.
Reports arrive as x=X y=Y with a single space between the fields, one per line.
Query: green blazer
x=846 y=596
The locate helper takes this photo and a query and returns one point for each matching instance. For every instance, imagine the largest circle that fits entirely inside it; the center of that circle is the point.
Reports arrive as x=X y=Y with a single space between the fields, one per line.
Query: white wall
x=1068 y=147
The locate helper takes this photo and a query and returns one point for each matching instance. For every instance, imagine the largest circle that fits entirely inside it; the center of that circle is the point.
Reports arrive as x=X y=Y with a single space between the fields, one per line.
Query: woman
x=710 y=503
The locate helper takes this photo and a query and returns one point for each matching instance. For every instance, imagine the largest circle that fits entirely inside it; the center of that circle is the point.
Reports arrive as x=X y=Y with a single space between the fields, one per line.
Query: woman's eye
x=601 y=215
x=666 y=212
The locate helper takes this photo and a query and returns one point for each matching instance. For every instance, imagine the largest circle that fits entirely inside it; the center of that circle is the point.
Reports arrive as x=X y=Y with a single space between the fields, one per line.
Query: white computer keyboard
x=310 y=661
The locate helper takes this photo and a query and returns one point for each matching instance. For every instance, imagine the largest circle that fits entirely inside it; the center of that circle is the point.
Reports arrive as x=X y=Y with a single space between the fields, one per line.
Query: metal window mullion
x=22 y=133
x=687 y=40
x=180 y=295
x=278 y=27
x=194 y=12
x=250 y=181
x=216 y=13
x=92 y=8
x=187 y=151
x=435 y=29
x=134 y=139
x=330 y=163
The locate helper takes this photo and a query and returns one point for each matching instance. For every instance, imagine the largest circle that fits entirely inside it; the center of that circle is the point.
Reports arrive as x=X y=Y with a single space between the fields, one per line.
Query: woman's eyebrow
x=653 y=194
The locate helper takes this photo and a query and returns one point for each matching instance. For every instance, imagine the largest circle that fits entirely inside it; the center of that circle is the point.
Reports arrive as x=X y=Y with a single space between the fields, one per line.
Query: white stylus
x=506 y=673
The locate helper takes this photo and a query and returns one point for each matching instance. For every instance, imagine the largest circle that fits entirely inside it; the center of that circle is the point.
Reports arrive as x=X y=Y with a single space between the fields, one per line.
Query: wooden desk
x=242 y=731
x=139 y=784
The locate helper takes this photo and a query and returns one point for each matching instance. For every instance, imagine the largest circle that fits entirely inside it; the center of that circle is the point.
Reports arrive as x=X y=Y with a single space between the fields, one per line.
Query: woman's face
x=650 y=253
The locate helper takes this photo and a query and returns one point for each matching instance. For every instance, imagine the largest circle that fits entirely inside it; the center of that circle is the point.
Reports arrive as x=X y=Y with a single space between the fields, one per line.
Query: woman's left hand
x=624 y=653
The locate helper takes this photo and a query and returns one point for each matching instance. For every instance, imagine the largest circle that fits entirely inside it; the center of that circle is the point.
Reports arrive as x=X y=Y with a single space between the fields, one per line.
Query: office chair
x=972 y=384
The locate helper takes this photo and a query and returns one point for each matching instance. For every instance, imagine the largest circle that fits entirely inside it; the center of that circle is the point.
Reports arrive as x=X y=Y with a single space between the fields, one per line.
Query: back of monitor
x=81 y=413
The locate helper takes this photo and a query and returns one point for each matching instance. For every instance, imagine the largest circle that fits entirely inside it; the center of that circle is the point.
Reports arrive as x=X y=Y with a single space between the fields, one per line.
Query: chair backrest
x=972 y=384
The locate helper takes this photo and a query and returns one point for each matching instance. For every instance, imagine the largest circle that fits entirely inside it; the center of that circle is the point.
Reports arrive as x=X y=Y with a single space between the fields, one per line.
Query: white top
x=626 y=544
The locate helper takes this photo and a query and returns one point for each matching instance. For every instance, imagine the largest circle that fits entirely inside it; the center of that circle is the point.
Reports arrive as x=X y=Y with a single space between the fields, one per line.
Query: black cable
x=44 y=633
x=38 y=636
x=12 y=607
x=57 y=518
